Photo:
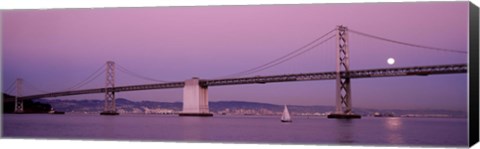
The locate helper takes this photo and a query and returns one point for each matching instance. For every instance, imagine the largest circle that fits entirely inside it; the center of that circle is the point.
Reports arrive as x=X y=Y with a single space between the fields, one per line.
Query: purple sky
x=55 y=49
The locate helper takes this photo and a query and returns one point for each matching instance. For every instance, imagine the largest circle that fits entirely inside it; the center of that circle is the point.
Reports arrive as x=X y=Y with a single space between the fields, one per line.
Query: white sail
x=286 y=115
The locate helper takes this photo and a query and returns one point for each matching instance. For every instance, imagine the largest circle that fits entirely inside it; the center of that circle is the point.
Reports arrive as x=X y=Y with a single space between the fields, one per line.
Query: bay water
x=388 y=131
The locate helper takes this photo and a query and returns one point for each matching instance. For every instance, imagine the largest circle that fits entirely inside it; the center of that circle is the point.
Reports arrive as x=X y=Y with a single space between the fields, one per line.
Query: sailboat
x=286 y=115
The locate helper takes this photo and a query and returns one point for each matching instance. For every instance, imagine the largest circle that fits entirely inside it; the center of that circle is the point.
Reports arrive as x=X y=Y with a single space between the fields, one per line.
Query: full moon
x=391 y=61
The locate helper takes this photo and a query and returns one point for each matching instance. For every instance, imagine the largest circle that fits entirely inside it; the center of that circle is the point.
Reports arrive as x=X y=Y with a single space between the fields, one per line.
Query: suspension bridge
x=195 y=90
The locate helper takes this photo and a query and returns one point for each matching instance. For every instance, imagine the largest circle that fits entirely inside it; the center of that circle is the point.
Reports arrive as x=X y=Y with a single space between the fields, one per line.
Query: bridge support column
x=343 y=102
x=109 y=107
x=18 y=102
x=195 y=99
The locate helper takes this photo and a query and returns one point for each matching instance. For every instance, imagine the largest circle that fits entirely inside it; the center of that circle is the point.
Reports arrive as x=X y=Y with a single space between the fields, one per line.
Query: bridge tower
x=18 y=102
x=343 y=102
x=109 y=107
x=195 y=99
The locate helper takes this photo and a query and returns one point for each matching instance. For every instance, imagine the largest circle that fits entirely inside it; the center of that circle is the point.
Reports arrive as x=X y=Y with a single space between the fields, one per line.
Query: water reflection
x=108 y=126
x=344 y=128
x=394 y=126
x=366 y=131
x=190 y=129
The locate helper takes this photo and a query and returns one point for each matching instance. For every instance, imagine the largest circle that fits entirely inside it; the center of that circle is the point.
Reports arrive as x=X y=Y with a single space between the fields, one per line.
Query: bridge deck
x=368 y=73
x=354 y=74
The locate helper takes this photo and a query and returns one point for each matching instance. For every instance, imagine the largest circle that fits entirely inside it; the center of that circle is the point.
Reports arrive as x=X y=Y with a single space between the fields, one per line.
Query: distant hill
x=223 y=107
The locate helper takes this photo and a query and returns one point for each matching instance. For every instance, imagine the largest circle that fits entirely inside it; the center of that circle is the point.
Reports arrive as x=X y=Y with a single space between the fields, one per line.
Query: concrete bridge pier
x=195 y=99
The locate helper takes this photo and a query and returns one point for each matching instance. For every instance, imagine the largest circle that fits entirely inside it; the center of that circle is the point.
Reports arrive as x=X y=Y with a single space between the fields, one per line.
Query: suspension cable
x=10 y=88
x=298 y=54
x=131 y=73
x=87 y=82
x=283 y=58
x=27 y=85
x=94 y=75
x=404 y=43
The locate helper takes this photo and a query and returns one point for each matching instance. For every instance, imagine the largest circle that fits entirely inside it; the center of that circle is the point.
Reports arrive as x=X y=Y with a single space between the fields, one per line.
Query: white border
x=48 y=4
x=73 y=144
